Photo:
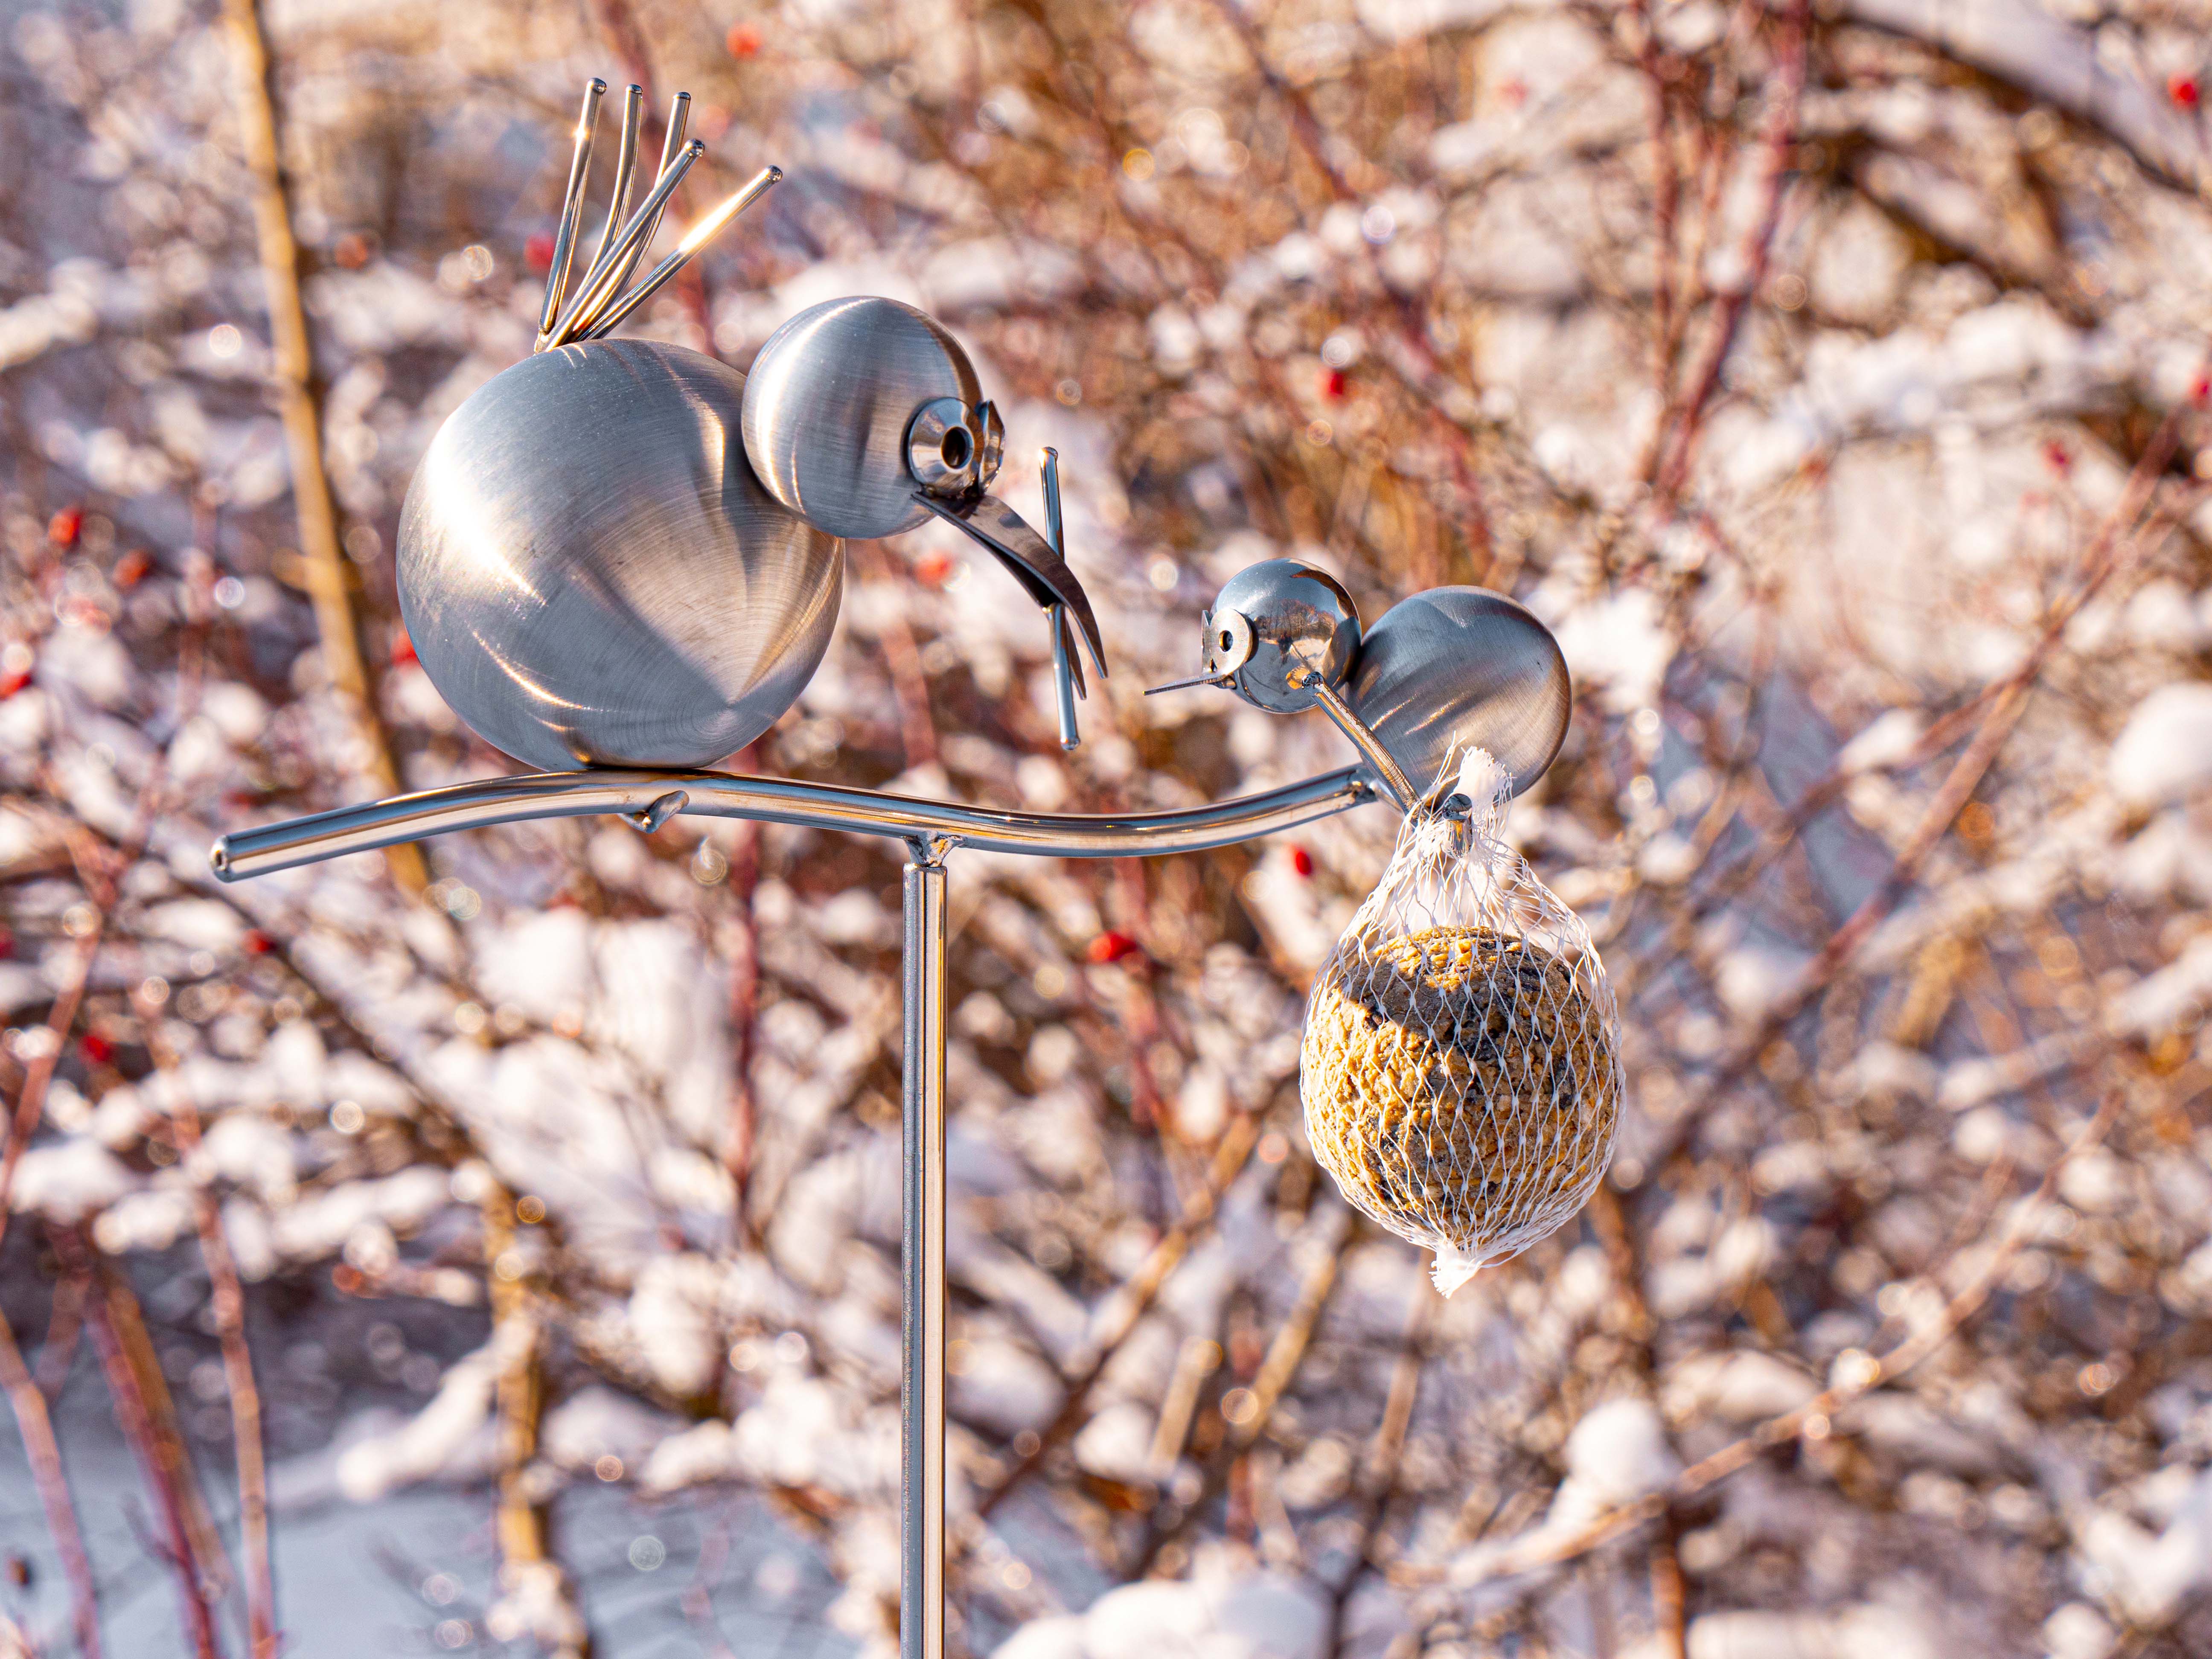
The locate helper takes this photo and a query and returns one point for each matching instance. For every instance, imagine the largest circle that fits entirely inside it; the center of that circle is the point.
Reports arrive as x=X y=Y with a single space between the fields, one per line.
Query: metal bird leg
x=1391 y=776
x=1066 y=668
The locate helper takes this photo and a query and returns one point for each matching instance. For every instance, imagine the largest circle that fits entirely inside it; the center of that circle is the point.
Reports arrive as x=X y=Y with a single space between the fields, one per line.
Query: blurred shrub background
x=502 y=1238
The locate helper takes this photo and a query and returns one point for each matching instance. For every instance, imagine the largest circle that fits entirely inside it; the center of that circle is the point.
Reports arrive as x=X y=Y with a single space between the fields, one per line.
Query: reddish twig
x=163 y=1463
x=330 y=578
x=44 y=1453
x=57 y=1353
x=31 y=1098
x=743 y=955
x=1671 y=455
x=1666 y=201
x=228 y=1297
x=1670 y=1596
x=902 y=658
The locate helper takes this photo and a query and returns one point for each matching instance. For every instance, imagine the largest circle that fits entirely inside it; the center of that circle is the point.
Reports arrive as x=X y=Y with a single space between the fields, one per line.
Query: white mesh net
x=1461 y=1071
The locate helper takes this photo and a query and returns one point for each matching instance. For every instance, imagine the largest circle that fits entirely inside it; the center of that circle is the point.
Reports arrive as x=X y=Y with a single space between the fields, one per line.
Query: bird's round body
x=829 y=403
x=592 y=574
x=1459 y=668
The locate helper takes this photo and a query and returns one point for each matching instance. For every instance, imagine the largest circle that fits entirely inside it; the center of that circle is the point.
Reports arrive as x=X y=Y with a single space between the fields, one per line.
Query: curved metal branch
x=245 y=853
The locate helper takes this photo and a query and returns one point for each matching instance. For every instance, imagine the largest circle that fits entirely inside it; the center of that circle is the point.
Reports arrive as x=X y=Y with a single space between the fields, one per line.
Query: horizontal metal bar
x=272 y=847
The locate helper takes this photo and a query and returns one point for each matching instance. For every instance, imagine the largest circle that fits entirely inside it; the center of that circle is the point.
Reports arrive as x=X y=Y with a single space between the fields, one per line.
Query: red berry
x=97 y=1048
x=933 y=567
x=537 y=252
x=403 y=648
x=2200 y=390
x=130 y=569
x=2056 y=457
x=13 y=681
x=62 y=528
x=1111 y=947
x=1301 y=860
x=258 y=943
x=744 y=41
x=2184 y=90
x=1332 y=385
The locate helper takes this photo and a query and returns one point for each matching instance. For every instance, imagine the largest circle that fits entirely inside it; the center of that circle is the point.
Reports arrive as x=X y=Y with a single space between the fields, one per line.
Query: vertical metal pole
x=921 y=1216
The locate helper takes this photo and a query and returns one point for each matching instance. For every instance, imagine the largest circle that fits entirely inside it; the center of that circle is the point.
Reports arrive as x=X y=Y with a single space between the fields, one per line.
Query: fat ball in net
x=1460 y=1066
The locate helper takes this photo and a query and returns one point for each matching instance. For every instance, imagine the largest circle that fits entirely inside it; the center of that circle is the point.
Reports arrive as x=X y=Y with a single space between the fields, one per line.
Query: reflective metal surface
x=679 y=118
x=625 y=171
x=940 y=449
x=866 y=418
x=590 y=573
x=572 y=207
x=1276 y=629
x=1301 y=618
x=827 y=406
x=1034 y=562
x=1380 y=761
x=710 y=226
x=1456 y=668
x=921 y=1259
x=1066 y=672
x=245 y=853
x=597 y=304
x=596 y=292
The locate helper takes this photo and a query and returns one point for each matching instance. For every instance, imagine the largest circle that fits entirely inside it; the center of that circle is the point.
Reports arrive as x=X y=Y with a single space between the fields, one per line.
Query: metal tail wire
x=694 y=239
x=599 y=288
x=625 y=171
x=607 y=281
x=572 y=210
x=679 y=117
x=599 y=304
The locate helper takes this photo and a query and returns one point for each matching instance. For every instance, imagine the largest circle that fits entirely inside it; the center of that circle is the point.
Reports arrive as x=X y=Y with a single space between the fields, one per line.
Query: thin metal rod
x=1064 y=688
x=921 y=1236
x=1052 y=523
x=572 y=208
x=1063 y=676
x=625 y=169
x=478 y=805
x=694 y=239
x=592 y=295
x=1379 y=760
x=679 y=117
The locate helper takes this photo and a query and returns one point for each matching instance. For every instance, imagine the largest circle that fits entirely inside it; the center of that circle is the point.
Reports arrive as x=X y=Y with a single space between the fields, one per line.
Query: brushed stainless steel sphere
x=590 y=574
x=1456 y=668
x=1298 y=616
x=853 y=405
